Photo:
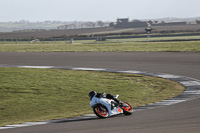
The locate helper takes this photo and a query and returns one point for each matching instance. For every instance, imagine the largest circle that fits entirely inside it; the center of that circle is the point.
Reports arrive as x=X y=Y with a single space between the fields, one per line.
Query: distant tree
x=100 y=23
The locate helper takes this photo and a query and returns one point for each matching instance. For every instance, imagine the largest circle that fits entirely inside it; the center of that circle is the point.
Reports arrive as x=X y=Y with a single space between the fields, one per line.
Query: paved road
x=179 y=118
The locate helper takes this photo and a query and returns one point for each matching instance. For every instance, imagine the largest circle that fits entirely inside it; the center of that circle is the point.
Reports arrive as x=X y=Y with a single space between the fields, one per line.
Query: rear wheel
x=101 y=111
x=127 y=109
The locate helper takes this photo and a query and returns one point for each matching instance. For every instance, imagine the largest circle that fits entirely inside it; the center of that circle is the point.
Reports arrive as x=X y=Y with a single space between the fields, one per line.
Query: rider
x=99 y=95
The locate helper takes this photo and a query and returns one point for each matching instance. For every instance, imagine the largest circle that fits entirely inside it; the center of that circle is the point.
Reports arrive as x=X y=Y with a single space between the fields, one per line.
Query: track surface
x=179 y=118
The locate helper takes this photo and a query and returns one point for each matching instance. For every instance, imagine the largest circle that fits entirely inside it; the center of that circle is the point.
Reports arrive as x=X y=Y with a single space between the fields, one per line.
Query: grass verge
x=43 y=94
x=109 y=46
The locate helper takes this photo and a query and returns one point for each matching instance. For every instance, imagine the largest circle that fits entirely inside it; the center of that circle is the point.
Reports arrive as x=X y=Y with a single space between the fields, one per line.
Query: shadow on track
x=75 y=119
x=81 y=118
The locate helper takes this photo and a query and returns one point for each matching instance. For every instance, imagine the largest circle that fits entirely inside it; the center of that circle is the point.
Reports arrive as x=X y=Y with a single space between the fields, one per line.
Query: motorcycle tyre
x=127 y=112
x=99 y=115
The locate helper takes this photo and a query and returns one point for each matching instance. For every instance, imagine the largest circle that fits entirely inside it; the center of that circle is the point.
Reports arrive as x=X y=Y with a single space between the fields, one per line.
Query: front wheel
x=101 y=111
x=127 y=109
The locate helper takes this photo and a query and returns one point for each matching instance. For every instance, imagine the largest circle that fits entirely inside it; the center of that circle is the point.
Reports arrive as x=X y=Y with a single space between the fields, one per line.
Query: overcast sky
x=94 y=10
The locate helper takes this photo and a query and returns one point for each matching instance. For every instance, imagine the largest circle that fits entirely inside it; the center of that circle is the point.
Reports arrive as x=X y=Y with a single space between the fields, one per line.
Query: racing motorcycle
x=104 y=106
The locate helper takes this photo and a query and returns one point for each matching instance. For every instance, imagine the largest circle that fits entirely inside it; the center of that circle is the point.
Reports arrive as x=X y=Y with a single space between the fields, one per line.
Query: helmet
x=92 y=94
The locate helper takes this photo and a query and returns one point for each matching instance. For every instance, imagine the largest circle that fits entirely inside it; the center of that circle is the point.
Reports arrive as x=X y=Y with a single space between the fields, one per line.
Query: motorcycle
x=104 y=107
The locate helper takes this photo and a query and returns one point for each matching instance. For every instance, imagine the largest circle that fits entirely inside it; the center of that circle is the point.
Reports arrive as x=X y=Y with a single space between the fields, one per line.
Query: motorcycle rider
x=100 y=95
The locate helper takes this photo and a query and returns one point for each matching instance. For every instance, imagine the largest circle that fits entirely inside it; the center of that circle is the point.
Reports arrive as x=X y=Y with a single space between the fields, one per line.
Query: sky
x=95 y=10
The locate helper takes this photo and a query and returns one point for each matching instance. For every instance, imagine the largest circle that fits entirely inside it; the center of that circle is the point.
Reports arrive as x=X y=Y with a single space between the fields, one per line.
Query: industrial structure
x=126 y=23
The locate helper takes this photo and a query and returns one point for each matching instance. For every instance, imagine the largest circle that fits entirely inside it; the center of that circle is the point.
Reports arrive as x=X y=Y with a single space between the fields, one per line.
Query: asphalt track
x=178 y=118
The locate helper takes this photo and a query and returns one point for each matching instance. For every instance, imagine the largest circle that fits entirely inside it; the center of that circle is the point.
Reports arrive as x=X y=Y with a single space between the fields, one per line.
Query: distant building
x=192 y=22
x=152 y=22
x=126 y=23
x=123 y=20
x=169 y=23
x=198 y=21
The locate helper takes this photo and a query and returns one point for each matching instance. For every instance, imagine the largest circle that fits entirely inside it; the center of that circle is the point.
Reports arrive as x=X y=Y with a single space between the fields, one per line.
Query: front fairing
x=96 y=101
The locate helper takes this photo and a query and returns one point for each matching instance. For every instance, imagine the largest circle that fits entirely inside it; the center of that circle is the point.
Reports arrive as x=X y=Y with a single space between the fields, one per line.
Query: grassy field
x=43 y=94
x=126 y=45
x=154 y=39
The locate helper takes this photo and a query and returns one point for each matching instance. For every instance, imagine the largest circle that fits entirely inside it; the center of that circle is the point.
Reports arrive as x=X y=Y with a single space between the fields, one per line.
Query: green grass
x=44 y=94
x=187 y=46
x=114 y=45
x=152 y=39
